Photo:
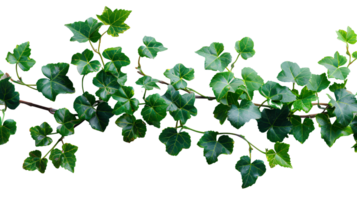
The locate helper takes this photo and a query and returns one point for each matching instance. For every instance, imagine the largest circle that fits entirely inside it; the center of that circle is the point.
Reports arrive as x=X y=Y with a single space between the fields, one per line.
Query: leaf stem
x=197 y=92
x=294 y=86
x=249 y=151
x=49 y=150
x=82 y=83
x=3 y=115
x=228 y=69
x=251 y=144
x=97 y=50
x=347 y=52
x=262 y=103
x=20 y=80
x=59 y=140
x=144 y=95
x=238 y=135
x=17 y=71
x=232 y=65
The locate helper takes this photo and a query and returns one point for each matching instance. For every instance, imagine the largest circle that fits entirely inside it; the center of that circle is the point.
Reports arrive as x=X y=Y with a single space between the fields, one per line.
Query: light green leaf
x=147 y=82
x=84 y=63
x=291 y=72
x=175 y=141
x=115 y=19
x=252 y=81
x=348 y=37
x=178 y=74
x=318 y=83
x=333 y=66
x=224 y=82
x=245 y=47
x=275 y=92
x=151 y=48
x=280 y=156
x=21 y=56
x=214 y=60
x=336 y=86
x=303 y=101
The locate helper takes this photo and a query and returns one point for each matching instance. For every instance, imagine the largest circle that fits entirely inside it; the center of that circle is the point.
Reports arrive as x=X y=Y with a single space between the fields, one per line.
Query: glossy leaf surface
x=125 y=102
x=117 y=60
x=131 y=127
x=279 y=156
x=21 y=56
x=178 y=75
x=154 y=110
x=245 y=47
x=84 y=63
x=8 y=95
x=214 y=146
x=243 y=113
x=249 y=170
x=115 y=19
x=318 y=83
x=214 y=58
x=151 y=48
x=39 y=134
x=100 y=119
x=55 y=81
x=7 y=129
x=291 y=72
x=301 y=130
x=345 y=105
x=107 y=84
x=175 y=141
x=85 y=31
x=84 y=106
x=148 y=83
x=333 y=65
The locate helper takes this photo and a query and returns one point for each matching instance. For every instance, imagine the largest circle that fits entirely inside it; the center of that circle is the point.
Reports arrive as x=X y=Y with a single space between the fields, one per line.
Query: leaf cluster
x=278 y=116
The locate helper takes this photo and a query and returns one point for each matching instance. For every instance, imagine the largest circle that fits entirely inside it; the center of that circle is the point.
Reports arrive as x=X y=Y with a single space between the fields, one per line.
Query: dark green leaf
x=67 y=121
x=42 y=165
x=107 y=84
x=250 y=171
x=185 y=107
x=84 y=106
x=252 y=81
x=39 y=134
x=275 y=92
x=125 y=102
x=214 y=60
x=151 y=48
x=55 y=156
x=280 y=156
x=303 y=101
x=245 y=47
x=224 y=82
x=221 y=112
x=318 y=83
x=84 y=31
x=117 y=60
x=301 y=131
x=345 y=105
x=100 y=119
x=243 y=113
x=154 y=110
x=21 y=56
x=35 y=162
x=177 y=74
x=174 y=141
x=348 y=37
x=131 y=127
x=147 y=82
x=68 y=159
x=333 y=66
x=116 y=20
x=8 y=94
x=291 y=72
x=336 y=86
x=84 y=63
x=6 y=129
x=170 y=97
x=122 y=78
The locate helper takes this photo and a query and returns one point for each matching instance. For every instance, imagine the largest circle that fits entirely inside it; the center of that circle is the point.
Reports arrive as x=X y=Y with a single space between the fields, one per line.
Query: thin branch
x=163 y=82
x=52 y=110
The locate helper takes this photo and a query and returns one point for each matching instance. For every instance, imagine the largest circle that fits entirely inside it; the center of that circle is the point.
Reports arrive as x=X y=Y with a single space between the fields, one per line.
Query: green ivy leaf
x=214 y=146
x=336 y=86
x=148 y=82
x=279 y=155
x=105 y=84
x=249 y=170
x=65 y=120
x=252 y=81
x=150 y=47
x=9 y=94
x=84 y=30
x=292 y=72
x=65 y=157
x=56 y=81
x=276 y=94
x=41 y=134
x=345 y=105
x=221 y=112
x=125 y=101
x=331 y=131
x=179 y=75
x=354 y=54
x=224 y=82
x=132 y=128
x=21 y=55
x=115 y=20
x=153 y=111
x=122 y=78
x=85 y=62
x=175 y=141
x=304 y=99
x=245 y=47
x=99 y=116
x=319 y=82
x=215 y=58
x=302 y=129
x=242 y=113
x=274 y=124
x=347 y=35
x=8 y=128
x=116 y=60
x=336 y=66
x=82 y=104
x=33 y=162
x=180 y=106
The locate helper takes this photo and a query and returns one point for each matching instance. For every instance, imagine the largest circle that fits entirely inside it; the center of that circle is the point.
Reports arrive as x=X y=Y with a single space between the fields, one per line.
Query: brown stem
x=163 y=82
x=49 y=110
x=52 y=110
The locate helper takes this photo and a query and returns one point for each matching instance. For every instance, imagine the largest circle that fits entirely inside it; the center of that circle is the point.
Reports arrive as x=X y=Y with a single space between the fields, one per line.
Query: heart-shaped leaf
x=107 y=84
x=7 y=129
x=131 y=127
x=84 y=63
x=301 y=131
x=8 y=94
x=117 y=61
x=250 y=171
x=175 y=141
x=84 y=106
x=348 y=37
x=318 y=83
x=224 y=82
x=279 y=156
x=275 y=92
x=214 y=60
x=67 y=121
x=100 y=119
x=154 y=110
x=240 y=114
x=333 y=65
x=291 y=72
x=147 y=82
x=125 y=102
x=21 y=56
x=39 y=134
x=245 y=47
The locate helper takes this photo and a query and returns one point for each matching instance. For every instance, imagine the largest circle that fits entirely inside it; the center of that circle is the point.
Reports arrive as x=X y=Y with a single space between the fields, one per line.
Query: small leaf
x=117 y=60
x=115 y=19
x=348 y=37
x=6 y=129
x=178 y=74
x=250 y=171
x=131 y=128
x=107 y=84
x=170 y=97
x=84 y=63
x=67 y=121
x=39 y=134
x=275 y=92
x=21 y=56
x=280 y=156
x=245 y=47
x=147 y=82
x=100 y=119
x=336 y=86
x=185 y=107
x=303 y=101
x=35 y=162
x=252 y=81
x=318 y=83
x=42 y=165
x=333 y=66
x=301 y=131
x=55 y=156
x=224 y=82
x=174 y=141
x=154 y=110
x=291 y=72
x=125 y=102
x=239 y=115
x=84 y=106
x=214 y=60
x=68 y=159
x=84 y=31
x=345 y=106
x=8 y=94
x=151 y=48
x=221 y=112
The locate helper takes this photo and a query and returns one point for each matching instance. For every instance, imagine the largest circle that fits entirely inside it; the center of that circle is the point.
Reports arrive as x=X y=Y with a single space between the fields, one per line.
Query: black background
x=303 y=36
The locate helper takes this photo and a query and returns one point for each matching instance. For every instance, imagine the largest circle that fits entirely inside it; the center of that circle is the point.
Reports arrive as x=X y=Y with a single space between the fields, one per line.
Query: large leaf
x=56 y=81
x=115 y=60
x=84 y=30
x=41 y=134
x=336 y=66
x=147 y=82
x=274 y=124
x=214 y=146
x=98 y=115
x=153 y=111
x=252 y=81
x=215 y=58
x=33 y=162
x=125 y=101
x=347 y=35
x=276 y=93
x=318 y=83
x=329 y=131
x=65 y=120
x=242 y=113
x=249 y=170
x=303 y=101
x=132 y=128
x=292 y=72
x=65 y=157
x=302 y=129
x=345 y=105
x=224 y=82
x=105 y=84
x=175 y=141
x=181 y=107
